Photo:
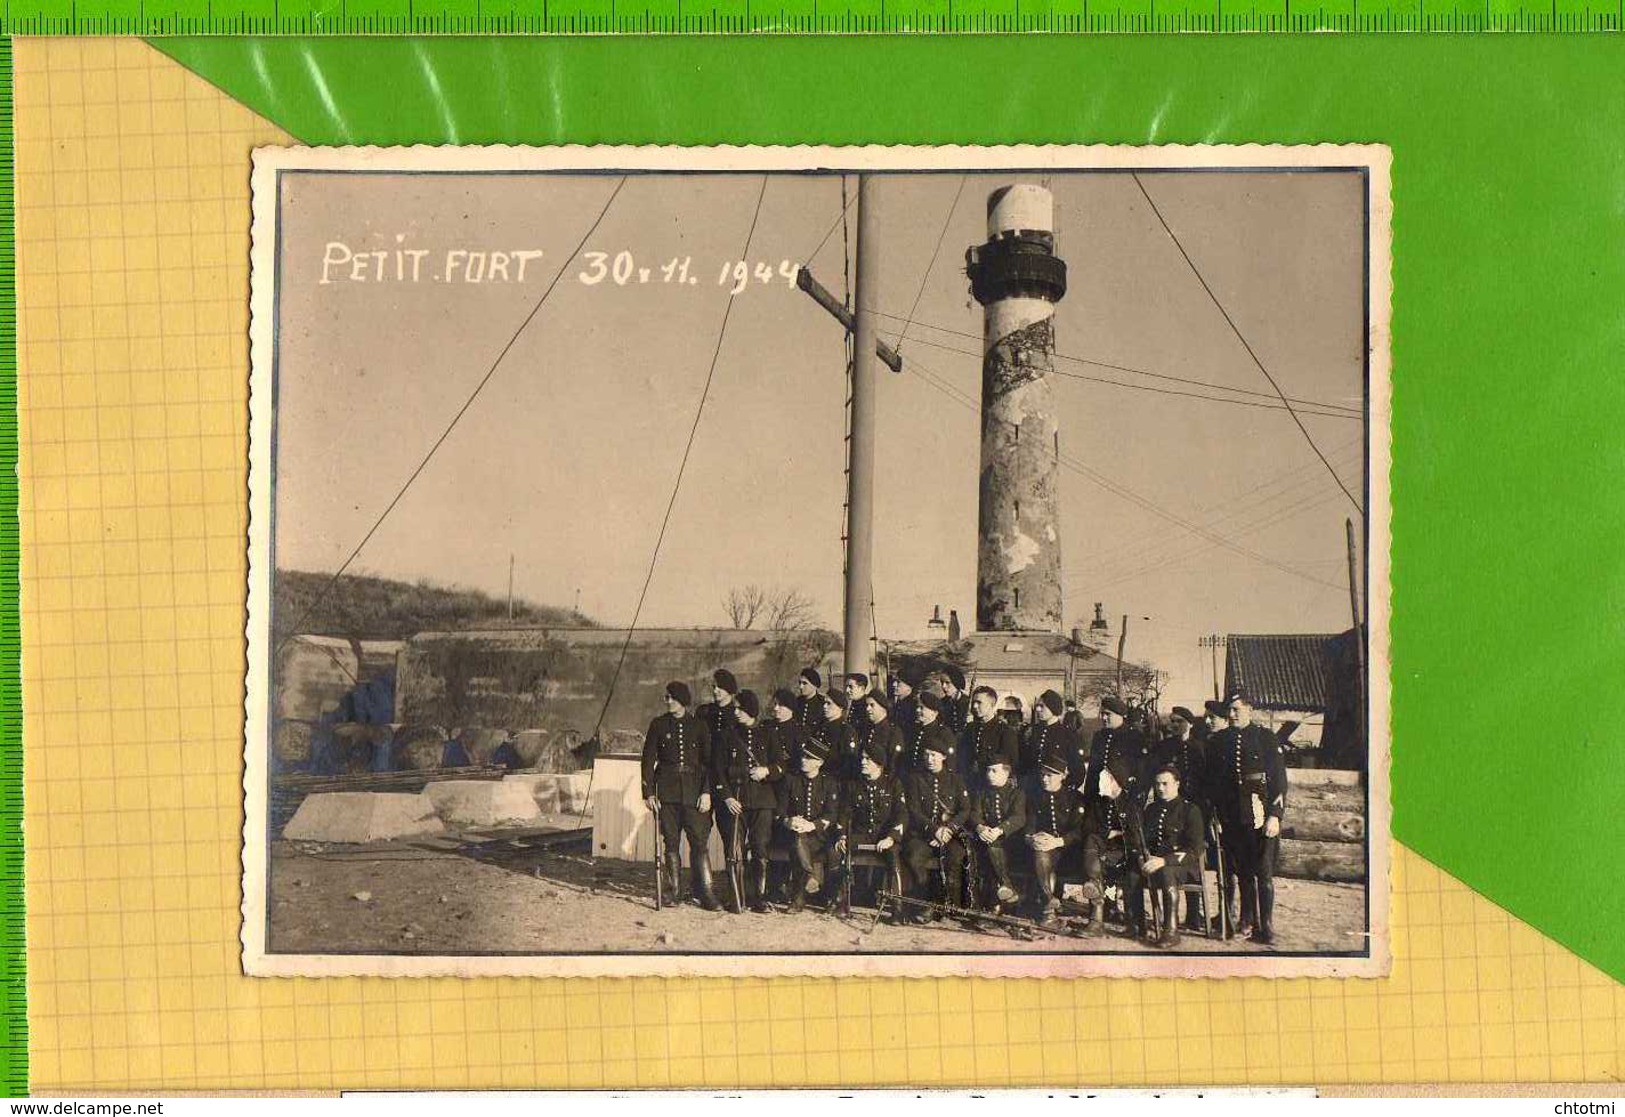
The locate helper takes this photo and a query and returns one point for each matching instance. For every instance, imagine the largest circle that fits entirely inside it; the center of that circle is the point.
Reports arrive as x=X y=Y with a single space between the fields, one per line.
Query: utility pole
x=1354 y=608
x=510 y=587
x=1211 y=643
x=859 y=628
x=1122 y=640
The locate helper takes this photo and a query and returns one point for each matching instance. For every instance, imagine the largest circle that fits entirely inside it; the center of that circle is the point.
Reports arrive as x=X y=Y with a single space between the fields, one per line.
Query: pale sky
x=567 y=458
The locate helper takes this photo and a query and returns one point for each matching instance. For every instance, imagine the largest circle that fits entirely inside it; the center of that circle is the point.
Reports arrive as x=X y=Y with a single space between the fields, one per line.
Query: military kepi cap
x=1182 y=712
x=1214 y=707
x=724 y=678
x=748 y=702
x=678 y=692
x=1115 y=705
x=1054 y=765
x=815 y=749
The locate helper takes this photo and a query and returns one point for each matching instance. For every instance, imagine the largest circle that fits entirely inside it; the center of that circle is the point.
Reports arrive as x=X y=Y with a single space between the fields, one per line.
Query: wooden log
x=1326 y=861
x=1323 y=826
x=1321 y=777
x=1348 y=800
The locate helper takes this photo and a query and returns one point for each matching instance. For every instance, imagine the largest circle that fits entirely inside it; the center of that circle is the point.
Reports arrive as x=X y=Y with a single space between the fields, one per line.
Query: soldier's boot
x=1097 y=909
x=674 y=876
x=1264 y=933
x=736 y=878
x=759 y=903
x=798 y=890
x=1246 y=922
x=702 y=882
x=1170 y=909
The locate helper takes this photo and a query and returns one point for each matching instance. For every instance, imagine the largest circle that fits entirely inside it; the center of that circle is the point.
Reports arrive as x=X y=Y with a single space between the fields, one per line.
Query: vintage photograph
x=890 y=561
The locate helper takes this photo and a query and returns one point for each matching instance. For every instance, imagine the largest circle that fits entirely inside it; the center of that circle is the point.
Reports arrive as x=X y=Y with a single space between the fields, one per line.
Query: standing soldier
x=718 y=714
x=809 y=806
x=1050 y=739
x=677 y=787
x=938 y=810
x=809 y=702
x=747 y=768
x=836 y=731
x=1246 y=784
x=1175 y=848
x=1180 y=750
x=1110 y=844
x=955 y=702
x=905 y=704
x=874 y=813
x=782 y=724
x=998 y=812
x=987 y=738
x=1213 y=720
x=1055 y=824
x=1114 y=739
x=879 y=732
x=929 y=732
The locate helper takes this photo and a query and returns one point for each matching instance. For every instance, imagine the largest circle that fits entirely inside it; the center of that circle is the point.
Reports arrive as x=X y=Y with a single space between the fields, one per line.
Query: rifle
x=660 y=850
x=1216 y=829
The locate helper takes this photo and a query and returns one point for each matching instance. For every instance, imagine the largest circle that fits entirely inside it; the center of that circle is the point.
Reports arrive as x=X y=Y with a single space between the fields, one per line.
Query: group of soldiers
x=950 y=801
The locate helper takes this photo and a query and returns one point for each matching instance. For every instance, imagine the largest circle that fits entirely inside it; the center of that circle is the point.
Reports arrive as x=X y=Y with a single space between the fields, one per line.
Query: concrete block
x=543 y=787
x=573 y=792
x=483 y=802
x=363 y=816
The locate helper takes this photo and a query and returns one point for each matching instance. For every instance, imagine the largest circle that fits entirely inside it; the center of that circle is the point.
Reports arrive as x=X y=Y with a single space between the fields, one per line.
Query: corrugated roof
x=1294 y=671
x=539 y=636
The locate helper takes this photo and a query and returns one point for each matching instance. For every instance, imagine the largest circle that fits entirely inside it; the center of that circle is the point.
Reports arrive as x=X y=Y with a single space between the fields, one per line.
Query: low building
x=1019 y=664
x=1311 y=678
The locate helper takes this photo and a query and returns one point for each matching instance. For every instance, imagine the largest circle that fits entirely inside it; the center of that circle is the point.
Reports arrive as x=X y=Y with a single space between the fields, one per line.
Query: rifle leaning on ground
x=660 y=858
x=1216 y=832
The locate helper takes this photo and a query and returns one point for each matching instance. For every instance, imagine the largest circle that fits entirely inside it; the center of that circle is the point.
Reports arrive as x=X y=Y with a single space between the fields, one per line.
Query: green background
x=1508 y=327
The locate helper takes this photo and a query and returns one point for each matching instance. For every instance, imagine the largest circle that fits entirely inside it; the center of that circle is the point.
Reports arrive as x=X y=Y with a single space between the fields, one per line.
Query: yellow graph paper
x=132 y=212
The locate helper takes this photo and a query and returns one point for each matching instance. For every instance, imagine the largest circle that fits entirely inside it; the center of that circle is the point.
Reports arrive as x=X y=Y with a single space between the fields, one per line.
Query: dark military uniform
x=809 y=711
x=1109 y=744
x=1174 y=831
x=1004 y=809
x=1245 y=782
x=872 y=810
x=936 y=734
x=1059 y=813
x=956 y=713
x=1111 y=846
x=937 y=799
x=905 y=714
x=789 y=736
x=1054 y=742
x=842 y=741
x=745 y=747
x=818 y=800
x=1187 y=757
x=982 y=742
x=677 y=771
x=718 y=720
x=885 y=740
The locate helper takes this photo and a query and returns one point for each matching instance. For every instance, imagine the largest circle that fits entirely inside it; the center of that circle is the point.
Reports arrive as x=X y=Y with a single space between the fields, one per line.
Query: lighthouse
x=1018 y=279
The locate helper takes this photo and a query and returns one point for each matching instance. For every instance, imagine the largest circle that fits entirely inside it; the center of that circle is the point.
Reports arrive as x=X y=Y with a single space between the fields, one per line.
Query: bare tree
x=745 y=604
x=789 y=610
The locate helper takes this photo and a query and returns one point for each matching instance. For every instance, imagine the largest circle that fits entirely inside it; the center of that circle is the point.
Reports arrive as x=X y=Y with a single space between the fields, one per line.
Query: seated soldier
x=1055 y=825
x=873 y=815
x=1175 y=846
x=998 y=813
x=809 y=805
x=1110 y=822
x=938 y=810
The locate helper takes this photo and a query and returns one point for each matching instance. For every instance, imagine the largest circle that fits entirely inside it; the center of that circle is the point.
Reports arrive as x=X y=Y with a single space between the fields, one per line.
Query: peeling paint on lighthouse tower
x=1018 y=279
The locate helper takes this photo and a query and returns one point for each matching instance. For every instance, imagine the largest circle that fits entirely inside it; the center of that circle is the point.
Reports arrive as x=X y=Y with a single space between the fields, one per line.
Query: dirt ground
x=523 y=895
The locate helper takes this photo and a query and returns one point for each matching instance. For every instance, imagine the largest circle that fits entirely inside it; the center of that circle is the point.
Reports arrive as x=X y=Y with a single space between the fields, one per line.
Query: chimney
x=935 y=624
x=1099 y=623
x=953 y=625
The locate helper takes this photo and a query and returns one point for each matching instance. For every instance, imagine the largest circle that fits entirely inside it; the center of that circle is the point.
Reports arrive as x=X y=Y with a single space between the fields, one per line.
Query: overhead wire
x=682 y=466
x=1244 y=343
x=1351 y=410
x=925 y=279
x=496 y=363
